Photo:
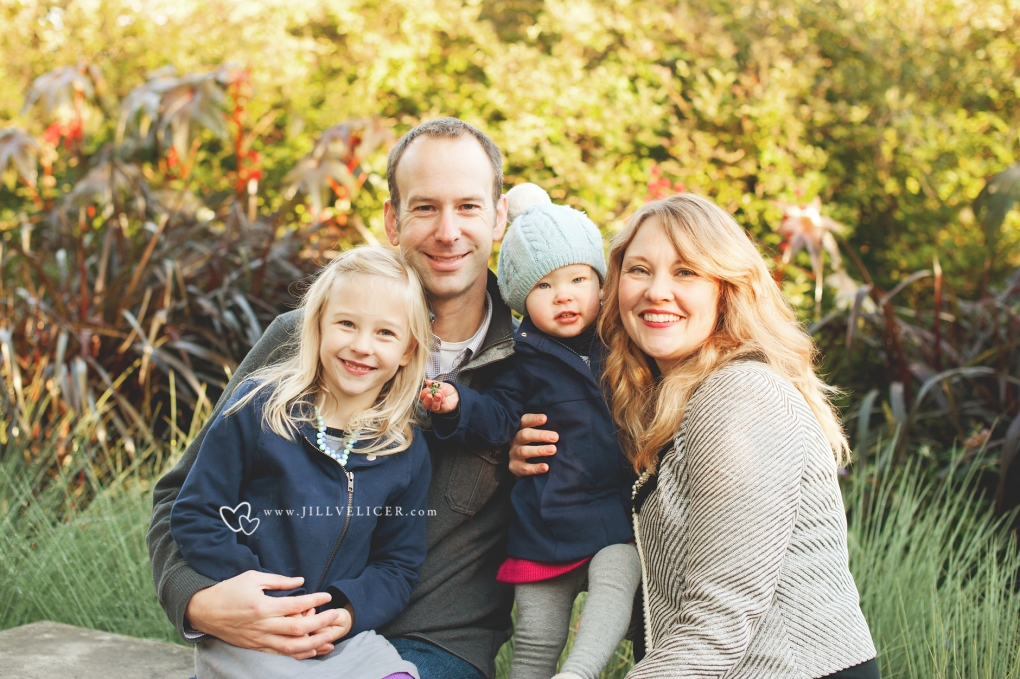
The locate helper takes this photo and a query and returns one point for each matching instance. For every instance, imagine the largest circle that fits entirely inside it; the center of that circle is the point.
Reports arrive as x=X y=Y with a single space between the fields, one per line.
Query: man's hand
x=439 y=397
x=521 y=451
x=238 y=612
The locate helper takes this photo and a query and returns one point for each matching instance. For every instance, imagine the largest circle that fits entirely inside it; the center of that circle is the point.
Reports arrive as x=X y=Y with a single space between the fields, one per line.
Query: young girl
x=570 y=529
x=314 y=469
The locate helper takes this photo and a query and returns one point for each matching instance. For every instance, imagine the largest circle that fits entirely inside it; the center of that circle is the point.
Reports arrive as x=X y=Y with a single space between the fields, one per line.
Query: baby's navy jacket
x=581 y=504
x=364 y=546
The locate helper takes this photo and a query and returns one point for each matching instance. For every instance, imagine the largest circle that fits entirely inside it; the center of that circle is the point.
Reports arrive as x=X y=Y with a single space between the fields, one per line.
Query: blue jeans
x=433 y=662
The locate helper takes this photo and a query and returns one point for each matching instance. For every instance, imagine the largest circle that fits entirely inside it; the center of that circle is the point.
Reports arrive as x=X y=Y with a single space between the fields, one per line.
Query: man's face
x=447 y=221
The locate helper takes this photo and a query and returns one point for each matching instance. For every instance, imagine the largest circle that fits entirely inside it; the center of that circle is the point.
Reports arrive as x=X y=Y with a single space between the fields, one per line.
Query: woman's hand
x=439 y=397
x=238 y=612
x=522 y=450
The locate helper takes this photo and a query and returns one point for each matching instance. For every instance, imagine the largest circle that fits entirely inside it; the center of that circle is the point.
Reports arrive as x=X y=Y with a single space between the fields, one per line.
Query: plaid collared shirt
x=434 y=367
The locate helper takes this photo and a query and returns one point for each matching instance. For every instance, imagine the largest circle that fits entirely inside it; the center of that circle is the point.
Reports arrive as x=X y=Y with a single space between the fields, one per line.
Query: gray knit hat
x=543 y=237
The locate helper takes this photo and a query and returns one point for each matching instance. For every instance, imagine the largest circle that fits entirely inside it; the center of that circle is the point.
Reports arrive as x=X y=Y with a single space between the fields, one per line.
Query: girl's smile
x=356 y=368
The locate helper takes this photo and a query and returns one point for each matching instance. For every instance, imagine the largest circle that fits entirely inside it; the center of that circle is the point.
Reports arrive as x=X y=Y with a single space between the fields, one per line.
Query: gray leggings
x=364 y=656
x=543 y=616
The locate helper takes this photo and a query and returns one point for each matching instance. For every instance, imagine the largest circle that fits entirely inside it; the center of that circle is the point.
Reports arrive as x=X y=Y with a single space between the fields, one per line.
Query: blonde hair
x=296 y=384
x=755 y=321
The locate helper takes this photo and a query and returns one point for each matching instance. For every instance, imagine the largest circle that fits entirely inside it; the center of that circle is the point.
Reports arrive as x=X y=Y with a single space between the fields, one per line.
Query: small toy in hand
x=434 y=387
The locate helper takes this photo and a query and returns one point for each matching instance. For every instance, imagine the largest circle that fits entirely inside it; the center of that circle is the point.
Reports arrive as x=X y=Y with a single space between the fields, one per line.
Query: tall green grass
x=91 y=570
x=937 y=574
x=936 y=570
x=73 y=520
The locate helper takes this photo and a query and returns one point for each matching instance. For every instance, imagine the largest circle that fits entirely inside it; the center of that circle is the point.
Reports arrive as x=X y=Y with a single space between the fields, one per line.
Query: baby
x=571 y=526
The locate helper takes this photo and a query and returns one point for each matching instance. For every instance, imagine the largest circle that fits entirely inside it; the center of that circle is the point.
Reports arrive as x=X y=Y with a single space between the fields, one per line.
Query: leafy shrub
x=131 y=287
x=948 y=367
x=949 y=372
x=895 y=114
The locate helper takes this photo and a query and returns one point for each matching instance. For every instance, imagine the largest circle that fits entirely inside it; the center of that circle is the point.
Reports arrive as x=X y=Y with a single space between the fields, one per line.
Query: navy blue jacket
x=582 y=504
x=363 y=546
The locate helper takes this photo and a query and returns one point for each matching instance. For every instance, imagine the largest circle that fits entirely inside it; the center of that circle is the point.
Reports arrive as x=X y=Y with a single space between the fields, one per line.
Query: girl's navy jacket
x=256 y=501
x=581 y=505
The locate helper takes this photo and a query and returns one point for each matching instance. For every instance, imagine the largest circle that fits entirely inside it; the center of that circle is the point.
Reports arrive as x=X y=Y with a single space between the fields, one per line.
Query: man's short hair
x=446 y=128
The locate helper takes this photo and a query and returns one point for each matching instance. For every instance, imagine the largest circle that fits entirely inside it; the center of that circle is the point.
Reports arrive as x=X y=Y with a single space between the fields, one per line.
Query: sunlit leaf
x=804 y=227
x=333 y=157
x=56 y=90
x=109 y=181
x=20 y=150
x=143 y=102
x=194 y=101
x=995 y=200
x=180 y=105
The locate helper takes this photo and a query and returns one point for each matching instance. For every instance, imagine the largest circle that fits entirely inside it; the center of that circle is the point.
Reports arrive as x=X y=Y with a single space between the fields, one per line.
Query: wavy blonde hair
x=755 y=321
x=296 y=383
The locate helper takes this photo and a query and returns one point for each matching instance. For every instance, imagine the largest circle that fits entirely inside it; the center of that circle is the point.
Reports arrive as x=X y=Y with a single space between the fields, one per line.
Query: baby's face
x=565 y=301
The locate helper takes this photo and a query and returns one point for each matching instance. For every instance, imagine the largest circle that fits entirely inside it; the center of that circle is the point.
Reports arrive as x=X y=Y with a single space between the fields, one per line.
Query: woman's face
x=667 y=308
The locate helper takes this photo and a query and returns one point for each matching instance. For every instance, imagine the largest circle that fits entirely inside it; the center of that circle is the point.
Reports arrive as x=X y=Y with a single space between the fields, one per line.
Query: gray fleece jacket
x=457 y=604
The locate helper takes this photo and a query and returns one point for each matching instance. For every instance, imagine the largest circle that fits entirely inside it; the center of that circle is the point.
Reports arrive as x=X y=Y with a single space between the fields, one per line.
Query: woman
x=738 y=513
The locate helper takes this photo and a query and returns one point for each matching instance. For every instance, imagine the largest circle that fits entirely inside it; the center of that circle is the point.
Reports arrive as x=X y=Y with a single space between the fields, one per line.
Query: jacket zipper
x=591 y=345
x=343 y=531
x=586 y=359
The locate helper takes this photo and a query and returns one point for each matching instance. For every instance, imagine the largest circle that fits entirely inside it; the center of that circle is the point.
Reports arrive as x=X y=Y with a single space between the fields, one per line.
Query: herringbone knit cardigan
x=743 y=541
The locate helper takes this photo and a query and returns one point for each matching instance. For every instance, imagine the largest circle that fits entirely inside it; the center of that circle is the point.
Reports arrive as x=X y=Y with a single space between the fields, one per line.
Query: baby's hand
x=439 y=397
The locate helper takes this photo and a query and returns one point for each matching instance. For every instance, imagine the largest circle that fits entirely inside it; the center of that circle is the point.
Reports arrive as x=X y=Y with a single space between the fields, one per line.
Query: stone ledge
x=46 y=650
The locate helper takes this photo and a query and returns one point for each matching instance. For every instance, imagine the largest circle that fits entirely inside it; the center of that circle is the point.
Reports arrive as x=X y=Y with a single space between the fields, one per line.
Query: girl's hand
x=343 y=624
x=439 y=397
x=337 y=630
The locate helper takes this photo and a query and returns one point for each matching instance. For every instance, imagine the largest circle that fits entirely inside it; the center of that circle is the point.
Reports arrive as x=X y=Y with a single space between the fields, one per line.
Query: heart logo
x=233 y=517
x=248 y=526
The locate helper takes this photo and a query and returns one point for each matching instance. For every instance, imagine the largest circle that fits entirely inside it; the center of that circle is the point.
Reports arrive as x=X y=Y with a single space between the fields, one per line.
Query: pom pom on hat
x=542 y=237
x=522 y=198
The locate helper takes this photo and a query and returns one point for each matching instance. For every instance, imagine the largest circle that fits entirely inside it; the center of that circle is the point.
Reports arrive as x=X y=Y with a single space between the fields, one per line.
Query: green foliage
x=893 y=113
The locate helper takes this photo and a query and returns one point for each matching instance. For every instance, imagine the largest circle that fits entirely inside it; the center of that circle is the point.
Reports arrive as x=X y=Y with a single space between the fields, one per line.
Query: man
x=445 y=210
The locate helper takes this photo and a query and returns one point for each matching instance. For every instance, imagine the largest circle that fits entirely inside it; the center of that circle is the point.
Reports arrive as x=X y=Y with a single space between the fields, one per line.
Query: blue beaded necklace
x=320 y=439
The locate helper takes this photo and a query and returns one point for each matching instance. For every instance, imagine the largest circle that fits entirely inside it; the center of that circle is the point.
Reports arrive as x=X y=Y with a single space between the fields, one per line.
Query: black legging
x=866 y=670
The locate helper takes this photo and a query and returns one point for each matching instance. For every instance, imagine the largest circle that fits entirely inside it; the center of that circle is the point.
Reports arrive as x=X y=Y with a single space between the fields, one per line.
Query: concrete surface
x=50 y=650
